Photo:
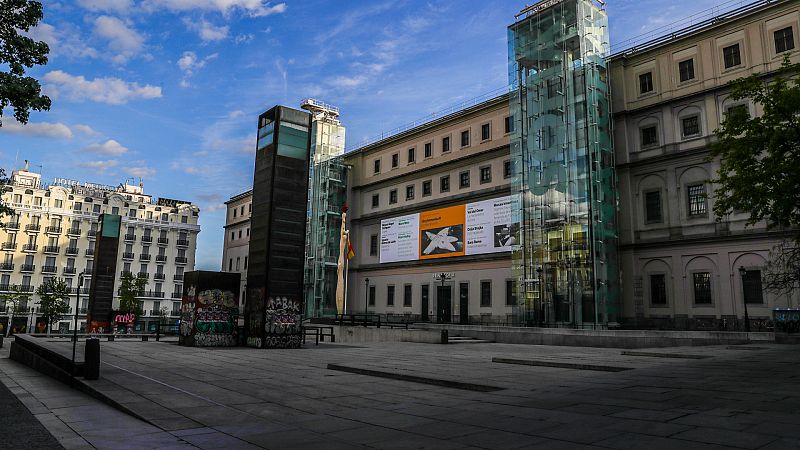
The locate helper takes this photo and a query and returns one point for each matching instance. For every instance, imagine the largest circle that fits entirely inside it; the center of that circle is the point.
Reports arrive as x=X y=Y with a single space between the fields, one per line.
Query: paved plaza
x=703 y=397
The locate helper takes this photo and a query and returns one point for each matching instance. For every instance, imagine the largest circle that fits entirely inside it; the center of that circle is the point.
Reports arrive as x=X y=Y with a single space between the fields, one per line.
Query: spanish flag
x=350 y=252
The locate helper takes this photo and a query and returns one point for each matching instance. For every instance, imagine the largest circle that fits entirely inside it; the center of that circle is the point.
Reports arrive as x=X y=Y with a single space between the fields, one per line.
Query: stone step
x=465 y=340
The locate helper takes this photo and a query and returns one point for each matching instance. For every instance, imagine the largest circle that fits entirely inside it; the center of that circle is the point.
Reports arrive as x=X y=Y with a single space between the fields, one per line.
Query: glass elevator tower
x=564 y=185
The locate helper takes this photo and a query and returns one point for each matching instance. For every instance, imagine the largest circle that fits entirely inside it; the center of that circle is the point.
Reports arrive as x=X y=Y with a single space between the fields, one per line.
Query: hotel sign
x=66 y=182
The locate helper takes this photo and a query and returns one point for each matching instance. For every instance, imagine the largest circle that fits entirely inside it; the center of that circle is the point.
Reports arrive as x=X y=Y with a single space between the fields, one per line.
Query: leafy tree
x=131 y=286
x=18 y=52
x=53 y=300
x=18 y=301
x=5 y=210
x=760 y=163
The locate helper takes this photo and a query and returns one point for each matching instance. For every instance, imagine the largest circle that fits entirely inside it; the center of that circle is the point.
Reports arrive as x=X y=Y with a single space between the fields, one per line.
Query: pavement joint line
x=560 y=365
x=665 y=355
x=738 y=347
x=416 y=379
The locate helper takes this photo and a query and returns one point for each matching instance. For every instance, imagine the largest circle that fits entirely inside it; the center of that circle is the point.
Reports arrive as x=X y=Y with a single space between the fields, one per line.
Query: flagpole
x=346 y=271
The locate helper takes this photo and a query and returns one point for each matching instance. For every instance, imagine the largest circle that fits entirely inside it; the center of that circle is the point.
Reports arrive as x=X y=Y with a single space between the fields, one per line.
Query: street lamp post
x=742 y=274
x=75 y=321
x=366 y=297
x=539 y=312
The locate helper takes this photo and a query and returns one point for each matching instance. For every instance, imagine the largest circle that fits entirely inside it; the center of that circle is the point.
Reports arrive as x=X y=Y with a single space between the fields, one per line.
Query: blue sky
x=170 y=90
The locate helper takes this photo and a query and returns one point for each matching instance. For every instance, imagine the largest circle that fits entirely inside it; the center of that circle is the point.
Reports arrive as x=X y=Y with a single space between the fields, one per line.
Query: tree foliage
x=53 y=300
x=760 y=164
x=16 y=297
x=131 y=286
x=18 y=52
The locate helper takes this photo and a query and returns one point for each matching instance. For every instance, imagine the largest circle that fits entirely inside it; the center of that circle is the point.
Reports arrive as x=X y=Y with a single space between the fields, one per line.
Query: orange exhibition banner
x=441 y=232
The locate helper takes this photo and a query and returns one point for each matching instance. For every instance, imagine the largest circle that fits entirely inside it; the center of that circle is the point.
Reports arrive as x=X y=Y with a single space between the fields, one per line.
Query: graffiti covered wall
x=209 y=309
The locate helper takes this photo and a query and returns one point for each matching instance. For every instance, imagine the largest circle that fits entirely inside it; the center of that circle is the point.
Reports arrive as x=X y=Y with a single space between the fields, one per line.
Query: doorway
x=425 y=304
x=444 y=304
x=463 y=303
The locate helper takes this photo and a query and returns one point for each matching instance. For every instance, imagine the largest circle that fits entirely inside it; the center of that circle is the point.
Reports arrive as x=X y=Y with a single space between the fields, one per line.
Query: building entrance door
x=444 y=304
x=425 y=304
x=463 y=304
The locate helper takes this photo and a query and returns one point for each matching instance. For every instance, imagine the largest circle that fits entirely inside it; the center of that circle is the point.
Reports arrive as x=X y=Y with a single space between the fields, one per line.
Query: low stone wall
x=599 y=338
x=362 y=335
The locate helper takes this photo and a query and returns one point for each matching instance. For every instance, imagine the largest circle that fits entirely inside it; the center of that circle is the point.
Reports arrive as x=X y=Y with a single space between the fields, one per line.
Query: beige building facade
x=52 y=235
x=236 y=243
x=680 y=267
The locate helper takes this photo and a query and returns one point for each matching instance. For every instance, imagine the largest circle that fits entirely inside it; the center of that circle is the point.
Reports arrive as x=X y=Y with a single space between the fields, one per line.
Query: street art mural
x=209 y=309
x=282 y=327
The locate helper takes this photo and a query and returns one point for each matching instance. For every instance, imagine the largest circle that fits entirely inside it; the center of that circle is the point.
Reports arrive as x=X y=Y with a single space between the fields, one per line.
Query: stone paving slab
x=247 y=398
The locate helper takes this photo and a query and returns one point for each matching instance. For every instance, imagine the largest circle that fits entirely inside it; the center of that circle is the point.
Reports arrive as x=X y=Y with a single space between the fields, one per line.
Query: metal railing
x=51 y=249
x=49 y=269
x=161 y=258
x=144 y=257
x=147 y=238
x=130 y=237
x=181 y=260
x=182 y=243
x=12 y=226
x=163 y=241
x=128 y=255
x=27 y=267
x=32 y=227
x=72 y=251
x=89 y=252
x=159 y=276
x=6 y=266
x=74 y=231
x=30 y=247
x=53 y=230
x=9 y=245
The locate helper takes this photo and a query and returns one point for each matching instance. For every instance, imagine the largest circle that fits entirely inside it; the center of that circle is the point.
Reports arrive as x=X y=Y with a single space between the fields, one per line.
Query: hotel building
x=52 y=235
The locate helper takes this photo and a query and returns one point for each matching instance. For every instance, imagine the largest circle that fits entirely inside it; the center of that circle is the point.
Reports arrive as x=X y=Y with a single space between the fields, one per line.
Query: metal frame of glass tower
x=564 y=186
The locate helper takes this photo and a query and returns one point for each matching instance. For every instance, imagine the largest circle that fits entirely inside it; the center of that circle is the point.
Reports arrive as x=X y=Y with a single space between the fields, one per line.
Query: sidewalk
x=38 y=412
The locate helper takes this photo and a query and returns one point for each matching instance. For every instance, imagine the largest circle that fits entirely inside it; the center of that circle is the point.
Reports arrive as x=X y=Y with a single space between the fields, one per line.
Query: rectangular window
x=96 y=209
x=373 y=245
x=696 y=196
x=390 y=295
x=646 y=82
x=509 y=124
x=393 y=196
x=463 y=179
x=649 y=136
x=686 y=70
x=690 y=126
x=731 y=56
x=376 y=166
x=376 y=200
x=508 y=169
x=407 y=296
x=426 y=188
x=372 y=296
x=410 y=192
x=652 y=207
x=486 y=131
x=77 y=206
x=412 y=155
x=428 y=150
x=753 y=291
x=234 y=212
x=511 y=293
x=486 y=174
x=486 y=294
x=465 y=138
x=395 y=160
x=444 y=183
x=702 y=287
x=735 y=110
x=445 y=144
x=658 y=289
x=784 y=41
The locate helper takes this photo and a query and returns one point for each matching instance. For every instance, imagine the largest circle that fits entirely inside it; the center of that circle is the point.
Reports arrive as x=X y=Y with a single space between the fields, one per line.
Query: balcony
x=144 y=257
x=82 y=310
x=177 y=294
x=27 y=267
x=154 y=312
x=74 y=291
x=11 y=287
x=177 y=278
x=163 y=241
x=53 y=230
x=52 y=249
x=72 y=251
x=92 y=235
x=74 y=232
x=87 y=272
x=12 y=226
x=6 y=266
x=33 y=227
x=144 y=275
x=181 y=260
x=125 y=272
x=9 y=245
x=69 y=271
x=147 y=238
x=175 y=313
x=89 y=252
x=30 y=248
x=161 y=258
x=49 y=269
x=151 y=294
x=26 y=288
x=182 y=243
x=128 y=255
x=130 y=237
x=159 y=276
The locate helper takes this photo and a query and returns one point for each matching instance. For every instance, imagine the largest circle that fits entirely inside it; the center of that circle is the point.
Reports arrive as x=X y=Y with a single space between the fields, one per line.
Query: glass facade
x=564 y=185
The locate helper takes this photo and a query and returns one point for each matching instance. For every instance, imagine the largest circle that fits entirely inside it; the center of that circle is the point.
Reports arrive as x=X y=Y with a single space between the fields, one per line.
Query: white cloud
x=244 y=38
x=125 y=41
x=109 y=147
x=99 y=166
x=207 y=31
x=235 y=114
x=189 y=64
x=103 y=90
x=255 y=8
x=64 y=41
x=119 y=6
x=37 y=129
x=347 y=82
x=143 y=172
x=86 y=129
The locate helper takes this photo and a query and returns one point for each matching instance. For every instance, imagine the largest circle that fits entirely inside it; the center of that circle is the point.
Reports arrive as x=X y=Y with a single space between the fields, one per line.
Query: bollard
x=445 y=336
x=91 y=359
